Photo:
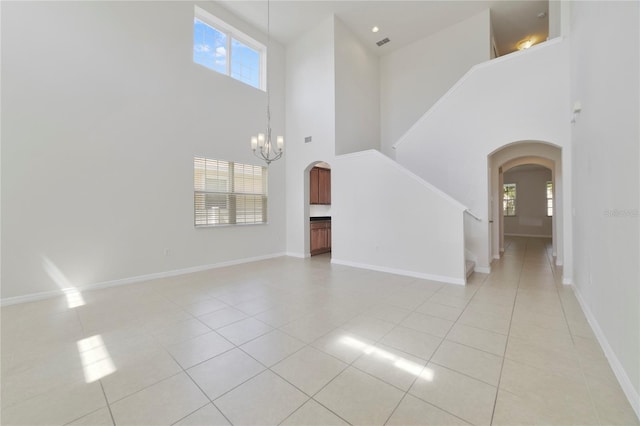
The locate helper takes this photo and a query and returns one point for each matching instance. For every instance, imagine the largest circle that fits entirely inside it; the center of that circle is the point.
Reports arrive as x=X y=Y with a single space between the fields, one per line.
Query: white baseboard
x=567 y=281
x=130 y=280
x=298 y=255
x=482 y=269
x=623 y=378
x=528 y=235
x=445 y=279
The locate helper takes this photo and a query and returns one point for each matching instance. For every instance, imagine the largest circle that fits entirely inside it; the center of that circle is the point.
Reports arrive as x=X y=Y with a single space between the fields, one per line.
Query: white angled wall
x=103 y=111
x=414 y=77
x=388 y=219
x=605 y=50
x=519 y=97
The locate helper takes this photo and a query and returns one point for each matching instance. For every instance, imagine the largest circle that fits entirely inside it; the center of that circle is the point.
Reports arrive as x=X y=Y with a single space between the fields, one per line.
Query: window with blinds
x=228 y=193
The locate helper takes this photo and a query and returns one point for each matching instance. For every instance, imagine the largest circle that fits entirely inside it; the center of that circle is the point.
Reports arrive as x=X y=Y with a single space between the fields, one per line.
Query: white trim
x=482 y=269
x=567 y=281
x=528 y=235
x=402 y=169
x=450 y=280
x=298 y=255
x=496 y=256
x=470 y=213
x=130 y=280
x=623 y=378
x=466 y=76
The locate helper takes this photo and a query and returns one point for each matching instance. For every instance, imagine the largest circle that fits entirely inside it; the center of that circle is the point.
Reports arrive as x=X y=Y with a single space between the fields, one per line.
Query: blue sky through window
x=245 y=63
x=210 y=49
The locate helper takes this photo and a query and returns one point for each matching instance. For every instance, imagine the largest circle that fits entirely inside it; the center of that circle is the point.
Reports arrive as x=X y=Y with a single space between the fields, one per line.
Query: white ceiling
x=402 y=21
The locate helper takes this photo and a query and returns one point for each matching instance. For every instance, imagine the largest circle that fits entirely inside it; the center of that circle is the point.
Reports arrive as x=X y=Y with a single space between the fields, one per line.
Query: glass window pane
x=245 y=63
x=509 y=199
x=209 y=47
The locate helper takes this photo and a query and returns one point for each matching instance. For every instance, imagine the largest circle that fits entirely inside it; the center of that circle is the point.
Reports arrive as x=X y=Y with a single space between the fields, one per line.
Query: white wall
x=388 y=219
x=310 y=104
x=604 y=75
x=531 y=203
x=413 y=78
x=517 y=97
x=357 y=93
x=103 y=111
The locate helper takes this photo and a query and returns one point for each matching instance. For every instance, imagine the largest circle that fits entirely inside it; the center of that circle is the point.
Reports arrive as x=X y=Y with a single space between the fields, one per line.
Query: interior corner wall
x=531 y=203
x=605 y=52
x=357 y=92
x=310 y=106
x=103 y=110
x=414 y=77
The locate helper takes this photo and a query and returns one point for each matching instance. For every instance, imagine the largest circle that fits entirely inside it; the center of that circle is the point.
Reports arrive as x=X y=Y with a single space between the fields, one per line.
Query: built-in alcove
x=319 y=200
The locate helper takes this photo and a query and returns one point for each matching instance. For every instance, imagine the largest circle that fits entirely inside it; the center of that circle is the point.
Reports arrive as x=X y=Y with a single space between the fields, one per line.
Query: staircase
x=486 y=110
x=469 y=266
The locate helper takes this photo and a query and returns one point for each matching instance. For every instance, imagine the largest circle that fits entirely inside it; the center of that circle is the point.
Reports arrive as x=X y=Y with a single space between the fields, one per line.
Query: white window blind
x=227 y=193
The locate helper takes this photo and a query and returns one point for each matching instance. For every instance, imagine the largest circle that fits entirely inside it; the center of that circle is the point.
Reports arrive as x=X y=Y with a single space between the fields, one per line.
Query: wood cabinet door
x=324 y=183
x=314 y=193
x=320 y=238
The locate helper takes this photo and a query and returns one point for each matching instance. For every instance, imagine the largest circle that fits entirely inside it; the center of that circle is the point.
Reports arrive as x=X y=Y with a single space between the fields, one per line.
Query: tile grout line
x=104 y=394
x=429 y=360
x=506 y=345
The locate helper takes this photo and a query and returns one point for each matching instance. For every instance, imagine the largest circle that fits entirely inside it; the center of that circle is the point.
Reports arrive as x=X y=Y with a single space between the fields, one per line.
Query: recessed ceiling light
x=375 y=29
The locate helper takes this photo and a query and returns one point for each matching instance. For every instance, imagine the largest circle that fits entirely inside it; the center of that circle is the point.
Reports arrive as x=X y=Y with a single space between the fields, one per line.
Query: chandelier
x=262 y=144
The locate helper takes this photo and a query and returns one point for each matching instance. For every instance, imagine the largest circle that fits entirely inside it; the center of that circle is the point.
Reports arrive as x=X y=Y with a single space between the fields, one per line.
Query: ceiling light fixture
x=375 y=29
x=261 y=144
x=525 y=44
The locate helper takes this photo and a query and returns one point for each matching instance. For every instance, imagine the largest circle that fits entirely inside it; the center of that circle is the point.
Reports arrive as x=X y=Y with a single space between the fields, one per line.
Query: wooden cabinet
x=320 y=237
x=320 y=190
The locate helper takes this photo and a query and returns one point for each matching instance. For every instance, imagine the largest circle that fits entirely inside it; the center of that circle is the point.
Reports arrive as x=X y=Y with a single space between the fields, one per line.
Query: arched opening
x=526 y=161
x=317 y=210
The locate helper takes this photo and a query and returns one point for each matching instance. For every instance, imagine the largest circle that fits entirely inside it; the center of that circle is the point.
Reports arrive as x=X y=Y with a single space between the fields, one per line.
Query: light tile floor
x=304 y=342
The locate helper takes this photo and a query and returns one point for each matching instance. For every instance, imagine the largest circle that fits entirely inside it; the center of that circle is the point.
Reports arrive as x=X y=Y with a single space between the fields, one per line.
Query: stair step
x=469 y=267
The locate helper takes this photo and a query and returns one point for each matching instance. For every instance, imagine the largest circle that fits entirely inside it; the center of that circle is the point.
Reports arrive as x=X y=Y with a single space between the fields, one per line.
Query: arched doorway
x=511 y=157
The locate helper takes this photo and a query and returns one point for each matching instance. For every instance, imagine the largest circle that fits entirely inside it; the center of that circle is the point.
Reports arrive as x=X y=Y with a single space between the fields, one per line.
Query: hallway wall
x=604 y=79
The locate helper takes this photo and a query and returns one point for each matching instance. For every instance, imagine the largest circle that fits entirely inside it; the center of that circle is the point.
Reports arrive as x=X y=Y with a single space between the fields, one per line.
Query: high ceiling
x=401 y=21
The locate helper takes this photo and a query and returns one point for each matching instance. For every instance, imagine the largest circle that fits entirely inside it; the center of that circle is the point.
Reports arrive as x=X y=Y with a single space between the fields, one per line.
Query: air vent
x=383 y=41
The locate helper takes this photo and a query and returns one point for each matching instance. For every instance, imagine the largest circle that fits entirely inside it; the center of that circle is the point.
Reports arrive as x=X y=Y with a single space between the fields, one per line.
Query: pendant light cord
x=266 y=63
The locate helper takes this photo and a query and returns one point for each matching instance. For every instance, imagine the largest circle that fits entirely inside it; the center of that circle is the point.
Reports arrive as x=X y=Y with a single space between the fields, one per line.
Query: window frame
x=231 y=193
x=505 y=210
x=231 y=34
